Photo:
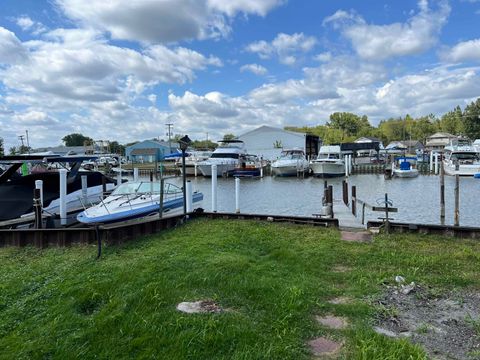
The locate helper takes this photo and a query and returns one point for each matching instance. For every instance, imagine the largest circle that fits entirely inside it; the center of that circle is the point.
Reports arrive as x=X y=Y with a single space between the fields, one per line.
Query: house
x=61 y=150
x=438 y=141
x=268 y=142
x=147 y=151
x=368 y=140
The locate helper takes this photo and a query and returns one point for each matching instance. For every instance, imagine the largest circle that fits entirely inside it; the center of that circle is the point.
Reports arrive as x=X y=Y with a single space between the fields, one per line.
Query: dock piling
x=189 y=194
x=135 y=174
x=457 y=200
x=442 y=194
x=37 y=206
x=345 y=192
x=354 y=200
x=214 y=188
x=237 y=195
x=39 y=185
x=63 y=196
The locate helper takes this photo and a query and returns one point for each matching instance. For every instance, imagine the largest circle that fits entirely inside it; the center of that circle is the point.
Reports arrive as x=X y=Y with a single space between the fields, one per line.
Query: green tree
x=351 y=125
x=452 y=122
x=471 y=120
x=116 y=148
x=13 y=150
x=204 y=144
x=227 y=137
x=75 y=139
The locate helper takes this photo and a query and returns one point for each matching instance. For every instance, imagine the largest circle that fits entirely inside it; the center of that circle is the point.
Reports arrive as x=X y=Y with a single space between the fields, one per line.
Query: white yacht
x=460 y=152
x=226 y=157
x=290 y=163
x=329 y=162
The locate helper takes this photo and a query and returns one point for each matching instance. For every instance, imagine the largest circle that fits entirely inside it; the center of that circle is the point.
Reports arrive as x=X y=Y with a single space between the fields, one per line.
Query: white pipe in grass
x=237 y=195
x=214 y=188
x=63 y=196
x=39 y=185
x=189 y=194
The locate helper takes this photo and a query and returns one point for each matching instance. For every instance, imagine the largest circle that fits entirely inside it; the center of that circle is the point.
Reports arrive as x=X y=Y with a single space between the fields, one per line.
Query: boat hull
x=405 y=173
x=327 y=169
x=288 y=171
x=222 y=168
x=463 y=170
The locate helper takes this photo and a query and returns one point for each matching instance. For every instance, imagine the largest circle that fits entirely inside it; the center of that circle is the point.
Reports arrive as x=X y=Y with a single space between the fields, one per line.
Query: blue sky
x=120 y=70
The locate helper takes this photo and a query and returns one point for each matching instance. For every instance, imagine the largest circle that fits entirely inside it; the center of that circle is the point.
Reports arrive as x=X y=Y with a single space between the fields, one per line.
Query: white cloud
x=380 y=42
x=342 y=17
x=285 y=46
x=162 y=21
x=11 y=49
x=27 y=24
x=254 y=68
x=463 y=51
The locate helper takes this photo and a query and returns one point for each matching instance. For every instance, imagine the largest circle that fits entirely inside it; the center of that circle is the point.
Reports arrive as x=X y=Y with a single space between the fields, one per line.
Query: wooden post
x=442 y=194
x=162 y=184
x=345 y=192
x=387 y=221
x=330 y=198
x=457 y=200
x=354 y=200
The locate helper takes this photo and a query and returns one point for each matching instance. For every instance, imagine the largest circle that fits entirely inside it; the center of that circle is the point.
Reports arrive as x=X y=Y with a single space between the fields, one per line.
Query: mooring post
x=237 y=195
x=37 y=206
x=330 y=199
x=354 y=200
x=189 y=196
x=195 y=169
x=436 y=163
x=135 y=174
x=387 y=221
x=346 y=165
x=457 y=200
x=84 y=189
x=350 y=164
x=39 y=185
x=214 y=188
x=345 y=192
x=431 y=161
x=63 y=196
x=162 y=184
x=442 y=194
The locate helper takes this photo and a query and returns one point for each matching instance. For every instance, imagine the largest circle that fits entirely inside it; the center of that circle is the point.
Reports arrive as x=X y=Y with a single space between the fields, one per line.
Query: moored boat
x=405 y=167
x=291 y=162
x=329 y=162
x=134 y=200
x=226 y=157
x=461 y=158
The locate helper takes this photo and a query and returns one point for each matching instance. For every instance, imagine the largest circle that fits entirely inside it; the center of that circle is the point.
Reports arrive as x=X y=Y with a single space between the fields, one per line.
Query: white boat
x=329 y=162
x=405 y=167
x=133 y=200
x=192 y=161
x=290 y=163
x=226 y=157
x=463 y=154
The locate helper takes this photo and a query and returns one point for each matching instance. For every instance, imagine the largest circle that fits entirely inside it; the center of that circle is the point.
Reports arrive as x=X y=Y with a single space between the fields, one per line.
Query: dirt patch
x=357 y=236
x=446 y=325
x=324 y=347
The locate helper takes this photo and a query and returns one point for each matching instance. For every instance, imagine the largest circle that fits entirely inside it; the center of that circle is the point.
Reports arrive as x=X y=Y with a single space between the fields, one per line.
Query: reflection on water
x=418 y=199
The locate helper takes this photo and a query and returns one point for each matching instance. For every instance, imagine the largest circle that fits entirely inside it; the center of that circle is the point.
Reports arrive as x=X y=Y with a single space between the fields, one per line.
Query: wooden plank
x=380 y=208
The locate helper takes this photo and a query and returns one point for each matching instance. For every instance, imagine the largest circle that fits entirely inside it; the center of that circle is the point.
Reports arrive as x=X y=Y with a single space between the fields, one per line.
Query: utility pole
x=28 y=142
x=21 y=137
x=169 y=134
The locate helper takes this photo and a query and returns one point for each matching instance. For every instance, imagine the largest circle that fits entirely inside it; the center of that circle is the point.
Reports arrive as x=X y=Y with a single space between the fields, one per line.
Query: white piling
x=349 y=165
x=237 y=195
x=63 y=195
x=436 y=163
x=119 y=177
x=196 y=170
x=189 y=193
x=431 y=161
x=214 y=188
x=39 y=185
x=135 y=174
x=261 y=170
x=84 y=188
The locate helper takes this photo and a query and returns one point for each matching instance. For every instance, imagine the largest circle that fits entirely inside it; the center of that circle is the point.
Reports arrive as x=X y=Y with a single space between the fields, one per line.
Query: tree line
x=346 y=127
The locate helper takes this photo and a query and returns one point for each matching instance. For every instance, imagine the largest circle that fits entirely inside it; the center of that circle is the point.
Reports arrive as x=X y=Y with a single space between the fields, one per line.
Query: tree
x=204 y=144
x=227 y=137
x=350 y=124
x=13 y=151
x=452 y=122
x=116 y=148
x=471 y=120
x=2 y=150
x=75 y=139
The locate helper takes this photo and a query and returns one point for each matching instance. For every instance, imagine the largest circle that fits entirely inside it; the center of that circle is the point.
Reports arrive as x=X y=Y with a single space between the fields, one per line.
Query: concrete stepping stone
x=332 y=322
x=341 y=300
x=196 y=307
x=341 y=269
x=356 y=236
x=324 y=347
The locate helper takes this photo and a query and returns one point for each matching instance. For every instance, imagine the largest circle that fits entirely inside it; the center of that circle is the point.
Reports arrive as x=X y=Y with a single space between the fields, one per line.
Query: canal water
x=417 y=199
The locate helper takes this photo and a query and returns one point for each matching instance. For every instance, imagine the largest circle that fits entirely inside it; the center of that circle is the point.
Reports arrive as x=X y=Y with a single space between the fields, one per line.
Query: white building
x=268 y=142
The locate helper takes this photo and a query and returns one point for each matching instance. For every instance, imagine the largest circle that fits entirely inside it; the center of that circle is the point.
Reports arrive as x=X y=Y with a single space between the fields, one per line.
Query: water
x=417 y=199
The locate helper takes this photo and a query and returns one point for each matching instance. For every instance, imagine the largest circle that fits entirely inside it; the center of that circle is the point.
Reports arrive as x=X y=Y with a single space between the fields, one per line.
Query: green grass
x=61 y=303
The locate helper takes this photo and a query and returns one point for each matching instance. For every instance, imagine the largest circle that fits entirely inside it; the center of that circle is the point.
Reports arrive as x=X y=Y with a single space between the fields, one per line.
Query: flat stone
x=332 y=322
x=385 y=332
x=202 y=306
x=341 y=269
x=340 y=300
x=324 y=347
x=356 y=236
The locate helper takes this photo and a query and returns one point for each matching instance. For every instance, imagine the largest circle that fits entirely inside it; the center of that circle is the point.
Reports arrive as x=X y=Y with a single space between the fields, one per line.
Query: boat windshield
x=291 y=156
x=464 y=156
x=328 y=156
x=145 y=188
x=225 y=155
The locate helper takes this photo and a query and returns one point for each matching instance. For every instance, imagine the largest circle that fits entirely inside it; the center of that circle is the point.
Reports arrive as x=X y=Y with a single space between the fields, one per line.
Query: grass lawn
x=61 y=303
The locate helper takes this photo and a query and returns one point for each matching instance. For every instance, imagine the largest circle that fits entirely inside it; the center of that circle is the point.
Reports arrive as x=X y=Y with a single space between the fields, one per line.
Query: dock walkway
x=346 y=219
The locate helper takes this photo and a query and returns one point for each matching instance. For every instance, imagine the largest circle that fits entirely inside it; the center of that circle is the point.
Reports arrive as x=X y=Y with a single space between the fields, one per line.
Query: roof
x=440 y=135
x=368 y=138
x=271 y=128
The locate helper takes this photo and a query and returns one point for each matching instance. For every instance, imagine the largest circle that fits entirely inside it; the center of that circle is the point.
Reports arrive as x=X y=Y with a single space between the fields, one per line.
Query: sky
x=120 y=70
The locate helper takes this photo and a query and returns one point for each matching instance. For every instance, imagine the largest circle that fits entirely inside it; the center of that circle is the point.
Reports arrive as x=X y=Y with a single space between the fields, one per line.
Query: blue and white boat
x=405 y=167
x=136 y=199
